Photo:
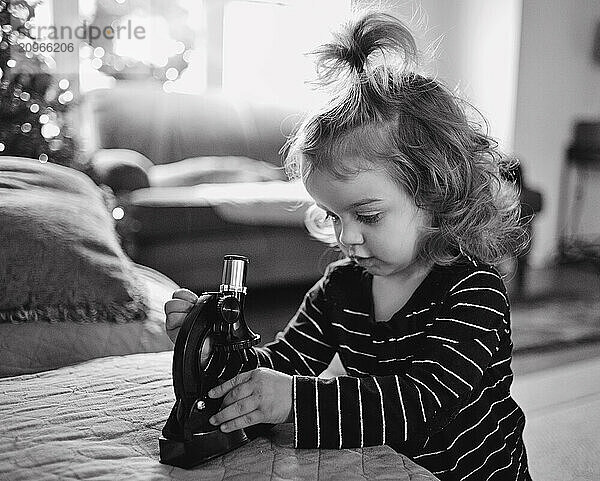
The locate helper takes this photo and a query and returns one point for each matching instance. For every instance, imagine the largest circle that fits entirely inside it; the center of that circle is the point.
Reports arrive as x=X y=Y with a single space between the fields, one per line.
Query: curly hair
x=382 y=113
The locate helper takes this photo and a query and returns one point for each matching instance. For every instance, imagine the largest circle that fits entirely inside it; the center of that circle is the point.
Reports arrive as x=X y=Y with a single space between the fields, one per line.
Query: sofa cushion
x=161 y=213
x=213 y=170
x=60 y=258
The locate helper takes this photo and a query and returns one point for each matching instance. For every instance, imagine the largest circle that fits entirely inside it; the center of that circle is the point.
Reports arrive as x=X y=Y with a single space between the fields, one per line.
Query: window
x=252 y=48
x=265 y=46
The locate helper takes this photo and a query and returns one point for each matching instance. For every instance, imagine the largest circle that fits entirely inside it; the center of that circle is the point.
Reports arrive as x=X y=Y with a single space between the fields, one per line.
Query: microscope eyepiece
x=234 y=273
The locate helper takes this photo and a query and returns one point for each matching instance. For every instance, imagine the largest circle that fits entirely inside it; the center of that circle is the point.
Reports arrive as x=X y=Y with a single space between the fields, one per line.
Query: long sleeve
x=425 y=390
x=302 y=348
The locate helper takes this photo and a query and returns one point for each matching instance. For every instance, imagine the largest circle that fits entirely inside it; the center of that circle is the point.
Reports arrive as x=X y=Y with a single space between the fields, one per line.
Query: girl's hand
x=253 y=397
x=176 y=309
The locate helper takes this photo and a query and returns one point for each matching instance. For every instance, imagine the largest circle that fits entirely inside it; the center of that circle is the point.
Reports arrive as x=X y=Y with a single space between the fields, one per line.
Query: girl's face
x=376 y=223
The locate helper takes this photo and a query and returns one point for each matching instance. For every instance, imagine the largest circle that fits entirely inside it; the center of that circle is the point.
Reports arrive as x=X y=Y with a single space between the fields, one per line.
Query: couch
x=197 y=177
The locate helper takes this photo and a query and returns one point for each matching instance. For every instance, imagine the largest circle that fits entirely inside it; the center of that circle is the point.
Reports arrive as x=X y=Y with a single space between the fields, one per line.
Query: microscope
x=213 y=346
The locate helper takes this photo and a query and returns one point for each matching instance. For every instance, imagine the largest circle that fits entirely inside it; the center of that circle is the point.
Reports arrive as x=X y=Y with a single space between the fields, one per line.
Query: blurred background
x=531 y=67
x=179 y=107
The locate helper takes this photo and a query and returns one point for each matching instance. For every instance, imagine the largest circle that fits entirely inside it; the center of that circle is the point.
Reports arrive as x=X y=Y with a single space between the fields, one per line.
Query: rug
x=551 y=322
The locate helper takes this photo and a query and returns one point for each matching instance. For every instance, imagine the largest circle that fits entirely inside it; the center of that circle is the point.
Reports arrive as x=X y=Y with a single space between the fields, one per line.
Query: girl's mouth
x=362 y=261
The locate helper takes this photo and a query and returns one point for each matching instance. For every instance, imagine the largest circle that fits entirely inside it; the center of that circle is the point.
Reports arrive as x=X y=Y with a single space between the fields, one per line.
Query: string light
x=118 y=213
x=172 y=73
x=179 y=47
x=65 y=97
x=126 y=57
x=49 y=130
x=36 y=108
x=19 y=10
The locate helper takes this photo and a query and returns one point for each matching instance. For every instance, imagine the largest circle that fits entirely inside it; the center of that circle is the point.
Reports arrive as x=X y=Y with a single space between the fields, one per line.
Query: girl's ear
x=428 y=221
x=429 y=217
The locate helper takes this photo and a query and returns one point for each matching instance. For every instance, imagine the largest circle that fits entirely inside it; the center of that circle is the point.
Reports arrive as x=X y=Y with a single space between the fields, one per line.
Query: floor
x=558 y=384
x=562 y=411
x=556 y=320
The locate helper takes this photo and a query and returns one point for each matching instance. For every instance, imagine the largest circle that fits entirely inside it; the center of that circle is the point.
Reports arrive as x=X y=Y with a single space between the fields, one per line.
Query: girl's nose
x=350 y=235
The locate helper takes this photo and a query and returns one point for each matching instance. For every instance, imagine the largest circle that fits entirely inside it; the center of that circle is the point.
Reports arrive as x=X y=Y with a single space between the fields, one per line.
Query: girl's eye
x=369 y=218
x=331 y=216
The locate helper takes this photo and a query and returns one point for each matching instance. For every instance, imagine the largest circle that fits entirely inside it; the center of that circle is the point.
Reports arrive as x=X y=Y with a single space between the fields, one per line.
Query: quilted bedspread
x=101 y=420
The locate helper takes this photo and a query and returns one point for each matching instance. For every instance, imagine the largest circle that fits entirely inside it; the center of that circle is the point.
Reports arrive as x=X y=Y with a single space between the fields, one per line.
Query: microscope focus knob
x=230 y=308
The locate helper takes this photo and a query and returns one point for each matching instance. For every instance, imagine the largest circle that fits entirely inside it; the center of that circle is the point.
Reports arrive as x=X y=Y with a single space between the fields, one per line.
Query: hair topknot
x=374 y=44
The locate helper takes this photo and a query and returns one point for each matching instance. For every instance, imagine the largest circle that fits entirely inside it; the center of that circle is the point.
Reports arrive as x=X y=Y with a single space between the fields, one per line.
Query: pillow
x=123 y=170
x=213 y=170
x=31 y=347
x=60 y=258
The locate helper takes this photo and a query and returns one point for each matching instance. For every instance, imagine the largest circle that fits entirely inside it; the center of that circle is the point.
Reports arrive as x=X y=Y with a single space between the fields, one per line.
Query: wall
x=557 y=83
x=477 y=51
x=477 y=54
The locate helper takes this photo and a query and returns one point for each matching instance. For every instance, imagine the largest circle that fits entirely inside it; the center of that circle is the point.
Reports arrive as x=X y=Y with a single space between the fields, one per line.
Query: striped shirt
x=433 y=382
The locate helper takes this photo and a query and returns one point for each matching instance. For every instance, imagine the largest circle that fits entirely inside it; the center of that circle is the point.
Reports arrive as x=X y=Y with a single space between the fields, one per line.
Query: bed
x=101 y=420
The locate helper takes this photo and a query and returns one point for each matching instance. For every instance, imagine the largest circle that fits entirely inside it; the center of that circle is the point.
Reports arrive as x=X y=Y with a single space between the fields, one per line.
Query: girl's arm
x=425 y=394
x=302 y=348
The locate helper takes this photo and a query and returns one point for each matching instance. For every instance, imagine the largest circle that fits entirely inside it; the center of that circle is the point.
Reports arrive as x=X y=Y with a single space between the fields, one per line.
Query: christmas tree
x=33 y=103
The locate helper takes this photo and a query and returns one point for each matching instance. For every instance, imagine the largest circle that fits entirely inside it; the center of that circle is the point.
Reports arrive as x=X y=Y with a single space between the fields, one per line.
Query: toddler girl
x=415 y=311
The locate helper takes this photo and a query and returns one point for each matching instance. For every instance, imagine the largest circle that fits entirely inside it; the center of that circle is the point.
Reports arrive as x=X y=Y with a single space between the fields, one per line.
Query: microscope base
x=200 y=449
